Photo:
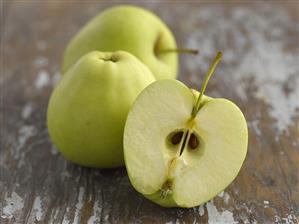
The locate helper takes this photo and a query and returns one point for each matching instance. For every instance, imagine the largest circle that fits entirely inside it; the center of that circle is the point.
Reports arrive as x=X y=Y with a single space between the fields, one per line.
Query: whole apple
x=127 y=28
x=88 y=109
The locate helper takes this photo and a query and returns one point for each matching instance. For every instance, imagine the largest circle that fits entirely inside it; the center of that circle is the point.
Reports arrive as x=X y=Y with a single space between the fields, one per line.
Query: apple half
x=182 y=148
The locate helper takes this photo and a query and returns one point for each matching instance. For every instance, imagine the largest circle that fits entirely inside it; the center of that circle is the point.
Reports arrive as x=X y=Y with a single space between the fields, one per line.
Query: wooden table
x=259 y=72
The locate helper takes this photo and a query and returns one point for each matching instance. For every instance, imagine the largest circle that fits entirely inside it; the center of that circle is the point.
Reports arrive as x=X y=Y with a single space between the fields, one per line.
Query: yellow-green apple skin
x=182 y=175
x=88 y=109
x=127 y=28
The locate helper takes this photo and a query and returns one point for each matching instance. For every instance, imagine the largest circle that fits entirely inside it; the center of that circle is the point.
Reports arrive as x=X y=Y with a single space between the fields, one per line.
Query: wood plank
x=259 y=72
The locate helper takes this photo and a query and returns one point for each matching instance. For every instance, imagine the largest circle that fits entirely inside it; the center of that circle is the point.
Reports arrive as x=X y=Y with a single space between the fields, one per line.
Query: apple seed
x=193 y=142
x=176 y=139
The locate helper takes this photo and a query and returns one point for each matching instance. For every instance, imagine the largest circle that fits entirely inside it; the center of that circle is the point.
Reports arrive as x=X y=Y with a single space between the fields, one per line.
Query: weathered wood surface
x=259 y=72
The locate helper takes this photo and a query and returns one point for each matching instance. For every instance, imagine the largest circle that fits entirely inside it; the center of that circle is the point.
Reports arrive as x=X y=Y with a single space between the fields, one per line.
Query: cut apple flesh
x=176 y=159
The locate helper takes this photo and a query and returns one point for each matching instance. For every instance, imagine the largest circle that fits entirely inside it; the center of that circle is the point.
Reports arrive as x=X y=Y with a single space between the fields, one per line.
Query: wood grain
x=260 y=41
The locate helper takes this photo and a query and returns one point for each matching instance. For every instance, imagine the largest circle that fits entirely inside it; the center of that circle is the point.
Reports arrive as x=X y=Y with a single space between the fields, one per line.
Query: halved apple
x=182 y=148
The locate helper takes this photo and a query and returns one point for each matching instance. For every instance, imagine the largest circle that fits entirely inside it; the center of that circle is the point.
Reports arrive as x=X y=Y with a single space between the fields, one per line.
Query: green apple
x=131 y=29
x=88 y=109
x=182 y=148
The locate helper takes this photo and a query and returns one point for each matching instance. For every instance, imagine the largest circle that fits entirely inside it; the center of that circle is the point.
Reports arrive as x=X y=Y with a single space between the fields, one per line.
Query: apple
x=88 y=109
x=132 y=29
x=181 y=147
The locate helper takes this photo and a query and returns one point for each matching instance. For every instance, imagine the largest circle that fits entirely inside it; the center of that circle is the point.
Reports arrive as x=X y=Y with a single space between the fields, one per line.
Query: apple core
x=188 y=138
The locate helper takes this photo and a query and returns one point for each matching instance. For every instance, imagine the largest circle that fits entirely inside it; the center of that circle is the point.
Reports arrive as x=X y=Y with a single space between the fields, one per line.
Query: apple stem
x=207 y=78
x=179 y=51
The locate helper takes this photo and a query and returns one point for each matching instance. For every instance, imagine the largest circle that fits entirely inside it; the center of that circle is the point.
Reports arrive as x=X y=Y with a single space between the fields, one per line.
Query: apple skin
x=127 y=28
x=88 y=109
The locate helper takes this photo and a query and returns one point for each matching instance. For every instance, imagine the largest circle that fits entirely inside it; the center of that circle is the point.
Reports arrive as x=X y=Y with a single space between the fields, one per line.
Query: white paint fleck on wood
x=40 y=62
x=266 y=204
x=37 y=208
x=221 y=194
x=54 y=150
x=54 y=215
x=65 y=174
x=79 y=205
x=201 y=210
x=215 y=217
x=254 y=126
x=37 y=212
x=96 y=214
x=27 y=111
x=66 y=219
x=282 y=153
x=106 y=218
x=25 y=132
x=225 y=196
x=14 y=203
x=42 y=79
x=289 y=219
